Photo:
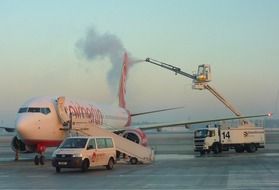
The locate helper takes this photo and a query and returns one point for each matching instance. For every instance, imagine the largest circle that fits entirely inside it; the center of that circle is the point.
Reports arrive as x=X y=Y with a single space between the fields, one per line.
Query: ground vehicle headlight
x=77 y=155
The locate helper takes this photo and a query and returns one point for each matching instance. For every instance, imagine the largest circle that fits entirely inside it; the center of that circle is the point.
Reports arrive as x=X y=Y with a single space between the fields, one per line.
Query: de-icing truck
x=245 y=137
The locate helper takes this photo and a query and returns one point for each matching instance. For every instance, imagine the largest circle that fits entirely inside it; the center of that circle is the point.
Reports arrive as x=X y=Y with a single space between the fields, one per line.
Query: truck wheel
x=202 y=152
x=133 y=160
x=239 y=148
x=216 y=148
x=251 y=148
x=85 y=165
x=110 y=164
x=58 y=170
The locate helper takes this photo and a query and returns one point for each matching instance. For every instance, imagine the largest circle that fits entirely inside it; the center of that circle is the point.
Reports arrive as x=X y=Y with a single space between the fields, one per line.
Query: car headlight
x=77 y=155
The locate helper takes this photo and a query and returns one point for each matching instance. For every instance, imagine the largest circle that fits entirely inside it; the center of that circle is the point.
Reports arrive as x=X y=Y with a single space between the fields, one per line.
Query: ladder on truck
x=135 y=152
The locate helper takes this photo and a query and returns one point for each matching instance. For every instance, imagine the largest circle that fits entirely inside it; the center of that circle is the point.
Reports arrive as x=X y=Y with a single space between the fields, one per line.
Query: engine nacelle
x=18 y=145
x=136 y=135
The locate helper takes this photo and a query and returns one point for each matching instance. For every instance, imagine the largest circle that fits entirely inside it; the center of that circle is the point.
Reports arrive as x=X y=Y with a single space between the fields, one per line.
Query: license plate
x=62 y=163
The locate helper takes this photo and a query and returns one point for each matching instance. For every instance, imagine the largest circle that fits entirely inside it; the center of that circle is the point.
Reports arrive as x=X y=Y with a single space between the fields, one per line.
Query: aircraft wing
x=8 y=129
x=155 y=111
x=188 y=124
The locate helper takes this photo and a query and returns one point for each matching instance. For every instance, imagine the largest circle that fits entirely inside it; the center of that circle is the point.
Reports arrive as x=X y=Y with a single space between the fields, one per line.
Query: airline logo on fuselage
x=94 y=115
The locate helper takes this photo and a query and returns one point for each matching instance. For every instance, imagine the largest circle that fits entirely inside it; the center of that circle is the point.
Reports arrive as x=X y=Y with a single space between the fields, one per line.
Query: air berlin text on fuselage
x=85 y=112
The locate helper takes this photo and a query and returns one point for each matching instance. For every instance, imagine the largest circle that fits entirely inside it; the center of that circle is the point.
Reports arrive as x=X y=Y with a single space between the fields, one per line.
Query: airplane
x=39 y=123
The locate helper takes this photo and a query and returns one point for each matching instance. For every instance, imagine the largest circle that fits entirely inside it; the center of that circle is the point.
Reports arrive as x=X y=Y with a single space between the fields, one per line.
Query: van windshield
x=74 y=143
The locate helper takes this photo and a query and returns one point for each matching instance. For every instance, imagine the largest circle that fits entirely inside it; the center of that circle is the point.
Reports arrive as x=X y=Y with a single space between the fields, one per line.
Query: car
x=85 y=152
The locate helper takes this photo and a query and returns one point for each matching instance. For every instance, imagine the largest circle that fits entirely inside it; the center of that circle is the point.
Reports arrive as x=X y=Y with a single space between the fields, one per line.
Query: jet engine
x=135 y=135
x=18 y=145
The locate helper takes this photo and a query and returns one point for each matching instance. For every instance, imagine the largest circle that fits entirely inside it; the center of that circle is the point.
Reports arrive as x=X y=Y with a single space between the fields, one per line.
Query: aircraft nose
x=22 y=127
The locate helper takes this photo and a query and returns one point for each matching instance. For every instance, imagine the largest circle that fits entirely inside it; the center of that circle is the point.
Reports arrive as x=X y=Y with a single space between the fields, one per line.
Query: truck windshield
x=74 y=143
x=201 y=133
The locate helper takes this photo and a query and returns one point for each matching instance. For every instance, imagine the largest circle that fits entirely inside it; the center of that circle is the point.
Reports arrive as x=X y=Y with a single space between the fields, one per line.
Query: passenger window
x=101 y=143
x=109 y=143
x=91 y=144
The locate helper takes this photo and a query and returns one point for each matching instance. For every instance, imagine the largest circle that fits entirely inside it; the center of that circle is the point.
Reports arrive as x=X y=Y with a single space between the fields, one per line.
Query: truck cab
x=204 y=139
x=84 y=152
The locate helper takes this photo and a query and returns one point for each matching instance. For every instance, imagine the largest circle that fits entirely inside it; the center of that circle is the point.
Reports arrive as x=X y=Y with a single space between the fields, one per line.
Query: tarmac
x=176 y=167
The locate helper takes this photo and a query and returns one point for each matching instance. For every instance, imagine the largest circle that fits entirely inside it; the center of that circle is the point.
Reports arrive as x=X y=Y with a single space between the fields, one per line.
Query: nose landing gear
x=40 y=159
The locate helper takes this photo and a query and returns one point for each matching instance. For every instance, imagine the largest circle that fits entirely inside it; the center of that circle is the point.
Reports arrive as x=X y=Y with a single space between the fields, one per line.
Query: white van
x=85 y=152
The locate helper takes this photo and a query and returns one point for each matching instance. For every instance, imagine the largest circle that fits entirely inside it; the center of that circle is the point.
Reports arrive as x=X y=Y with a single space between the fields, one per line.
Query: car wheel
x=110 y=164
x=85 y=165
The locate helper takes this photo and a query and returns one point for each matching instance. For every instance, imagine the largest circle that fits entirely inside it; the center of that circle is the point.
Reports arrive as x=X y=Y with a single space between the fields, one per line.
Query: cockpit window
x=45 y=110
x=22 y=110
x=34 y=110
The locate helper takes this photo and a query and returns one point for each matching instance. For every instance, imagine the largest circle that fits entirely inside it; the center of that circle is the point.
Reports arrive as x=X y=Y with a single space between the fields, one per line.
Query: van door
x=92 y=152
x=101 y=151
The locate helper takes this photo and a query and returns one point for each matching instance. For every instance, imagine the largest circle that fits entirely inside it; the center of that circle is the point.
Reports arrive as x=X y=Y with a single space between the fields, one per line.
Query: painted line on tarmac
x=271 y=154
x=36 y=176
x=174 y=157
x=4 y=176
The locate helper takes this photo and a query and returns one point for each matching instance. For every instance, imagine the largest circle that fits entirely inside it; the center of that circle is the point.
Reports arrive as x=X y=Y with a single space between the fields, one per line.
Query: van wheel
x=85 y=165
x=58 y=170
x=133 y=160
x=110 y=164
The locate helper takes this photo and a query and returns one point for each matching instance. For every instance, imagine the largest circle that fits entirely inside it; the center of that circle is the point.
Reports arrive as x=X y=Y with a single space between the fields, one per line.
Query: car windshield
x=201 y=133
x=74 y=143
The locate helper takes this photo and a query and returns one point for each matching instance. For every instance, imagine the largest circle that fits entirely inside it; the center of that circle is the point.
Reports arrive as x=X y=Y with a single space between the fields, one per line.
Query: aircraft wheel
x=42 y=160
x=36 y=160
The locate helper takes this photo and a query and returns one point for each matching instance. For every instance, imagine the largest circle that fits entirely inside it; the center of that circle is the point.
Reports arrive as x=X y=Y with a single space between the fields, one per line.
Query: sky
x=43 y=52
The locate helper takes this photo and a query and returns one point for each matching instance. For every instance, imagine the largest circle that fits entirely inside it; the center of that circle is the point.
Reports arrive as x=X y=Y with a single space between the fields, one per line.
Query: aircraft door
x=61 y=110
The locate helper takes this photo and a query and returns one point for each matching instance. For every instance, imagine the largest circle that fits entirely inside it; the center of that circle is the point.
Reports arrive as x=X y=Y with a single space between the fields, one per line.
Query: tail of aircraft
x=122 y=83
